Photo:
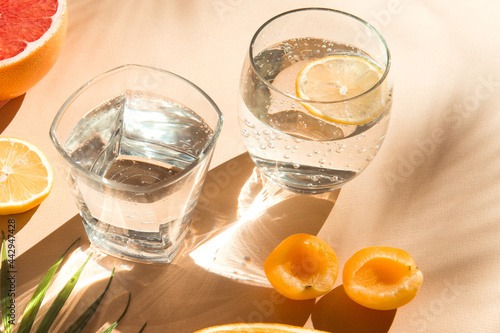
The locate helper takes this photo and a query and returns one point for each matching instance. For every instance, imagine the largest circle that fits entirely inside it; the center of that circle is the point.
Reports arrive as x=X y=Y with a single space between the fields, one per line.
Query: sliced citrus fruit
x=342 y=89
x=302 y=267
x=31 y=37
x=257 y=328
x=381 y=278
x=26 y=176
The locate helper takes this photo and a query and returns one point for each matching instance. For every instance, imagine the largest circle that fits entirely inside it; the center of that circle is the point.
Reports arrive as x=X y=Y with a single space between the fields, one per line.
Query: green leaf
x=5 y=285
x=61 y=298
x=126 y=308
x=85 y=317
x=112 y=327
x=142 y=328
x=36 y=300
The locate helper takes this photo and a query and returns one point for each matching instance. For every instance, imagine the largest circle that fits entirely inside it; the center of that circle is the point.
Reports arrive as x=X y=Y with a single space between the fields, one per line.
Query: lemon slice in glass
x=342 y=89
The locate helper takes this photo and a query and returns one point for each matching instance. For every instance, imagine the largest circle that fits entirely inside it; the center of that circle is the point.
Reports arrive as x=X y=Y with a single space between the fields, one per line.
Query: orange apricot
x=302 y=267
x=381 y=278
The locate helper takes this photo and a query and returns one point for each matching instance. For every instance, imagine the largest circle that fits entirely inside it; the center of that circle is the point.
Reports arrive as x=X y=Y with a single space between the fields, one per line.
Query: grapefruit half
x=32 y=33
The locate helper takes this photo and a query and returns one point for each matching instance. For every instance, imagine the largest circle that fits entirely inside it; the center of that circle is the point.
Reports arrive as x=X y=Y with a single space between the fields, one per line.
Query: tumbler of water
x=136 y=143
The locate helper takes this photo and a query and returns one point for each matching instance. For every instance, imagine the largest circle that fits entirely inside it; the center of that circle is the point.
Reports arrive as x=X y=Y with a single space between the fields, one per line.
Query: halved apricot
x=381 y=278
x=302 y=267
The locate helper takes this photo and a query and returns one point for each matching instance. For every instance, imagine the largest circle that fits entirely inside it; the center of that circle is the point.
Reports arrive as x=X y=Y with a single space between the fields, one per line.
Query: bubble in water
x=263 y=147
x=321 y=161
x=362 y=150
x=270 y=144
x=249 y=123
x=266 y=132
x=296 y=165
x=335 y=178
x=309 y=154
x=369 y=158
x=287 y=147
x=286 y=156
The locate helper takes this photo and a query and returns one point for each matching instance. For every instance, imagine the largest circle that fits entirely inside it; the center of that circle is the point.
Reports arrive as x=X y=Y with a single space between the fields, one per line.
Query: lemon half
x=26 y=176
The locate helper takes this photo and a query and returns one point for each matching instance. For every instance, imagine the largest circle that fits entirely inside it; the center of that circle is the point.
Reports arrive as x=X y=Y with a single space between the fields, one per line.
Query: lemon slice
x=330 y=80
x=26 y=176
x=257 y=328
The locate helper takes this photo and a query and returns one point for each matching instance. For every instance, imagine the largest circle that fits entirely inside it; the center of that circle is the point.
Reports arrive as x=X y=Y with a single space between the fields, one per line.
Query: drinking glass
x=136 y=143
x=315 y=144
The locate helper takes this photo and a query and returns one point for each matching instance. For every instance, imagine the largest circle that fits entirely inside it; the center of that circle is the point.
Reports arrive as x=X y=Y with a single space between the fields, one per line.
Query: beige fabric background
x=433 y=190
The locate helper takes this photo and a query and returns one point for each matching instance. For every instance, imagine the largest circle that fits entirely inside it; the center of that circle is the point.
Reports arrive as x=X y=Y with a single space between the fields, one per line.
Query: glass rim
x=127 y=187
x=296 y=98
